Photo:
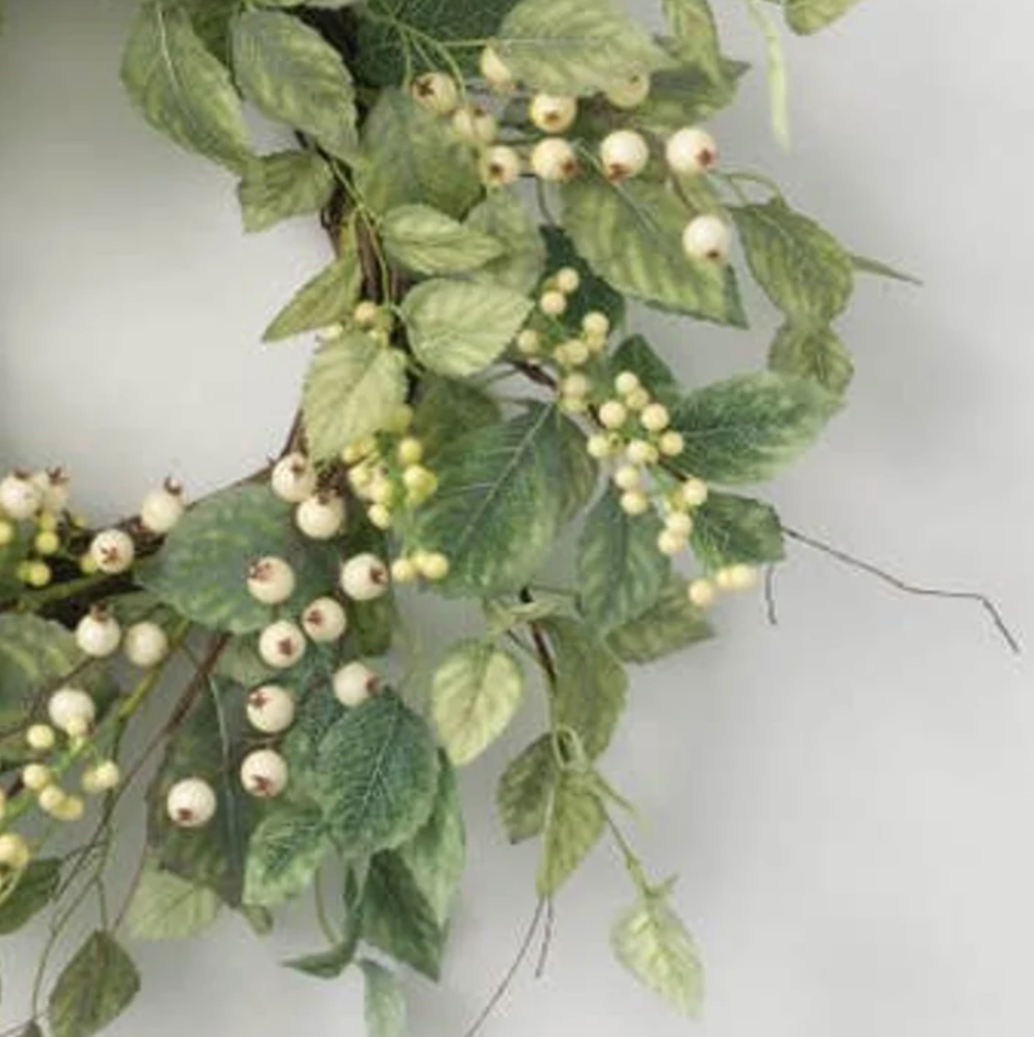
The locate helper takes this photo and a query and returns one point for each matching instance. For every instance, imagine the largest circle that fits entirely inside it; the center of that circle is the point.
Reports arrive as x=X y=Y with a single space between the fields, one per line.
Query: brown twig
x=541 y=648
x=909 y=588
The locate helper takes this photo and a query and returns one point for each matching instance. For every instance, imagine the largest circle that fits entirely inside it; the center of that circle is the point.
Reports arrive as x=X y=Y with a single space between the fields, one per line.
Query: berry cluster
x=34 y=514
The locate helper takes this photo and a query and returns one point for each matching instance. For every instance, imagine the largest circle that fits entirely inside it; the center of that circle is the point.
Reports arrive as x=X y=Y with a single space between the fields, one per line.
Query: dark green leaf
x=277 y=187
x=635 y=354
x=524 y=790
x=94 y=989
x=35 y=887
x=672 y=624
x=594 y=293
x=447 y=409
x=815 y=353
x=285 y=852
x=328 y=964
x=730 y=530
x=580 y=474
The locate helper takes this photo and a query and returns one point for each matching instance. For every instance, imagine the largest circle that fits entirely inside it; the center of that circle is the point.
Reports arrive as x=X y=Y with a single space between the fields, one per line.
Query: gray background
x=848 y=798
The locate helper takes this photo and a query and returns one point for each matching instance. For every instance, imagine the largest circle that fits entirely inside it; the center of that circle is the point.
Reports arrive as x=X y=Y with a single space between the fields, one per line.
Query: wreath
x=497 y=180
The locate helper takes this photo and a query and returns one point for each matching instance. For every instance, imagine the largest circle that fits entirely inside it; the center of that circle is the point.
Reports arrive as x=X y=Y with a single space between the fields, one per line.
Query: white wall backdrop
x=849 y=798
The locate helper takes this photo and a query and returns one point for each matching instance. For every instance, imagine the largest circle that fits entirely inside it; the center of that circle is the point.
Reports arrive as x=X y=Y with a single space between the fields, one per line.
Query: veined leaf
x=34 y=888
x=284 y=854
x=475 y=693
x=731 y=530
x=877 y=268
x=576 y=46
x=575 y=820
x=672 y=624
x=277 y=187
x=815 y=353
x=352 y=389
x=685 y=96
x=748 y=428
x=94 y=989
x=290 y=73
x=524 y=790
x=808 y=16
x=181 y=88
x=580 y=474
x=695 y=35
x=594 y=293
x=447 y=409
x=385 y=1005
x=620 y=569
x=631 y=233
x=167 y=907
x=507 y=219
x=458 y=328
x=430 y=242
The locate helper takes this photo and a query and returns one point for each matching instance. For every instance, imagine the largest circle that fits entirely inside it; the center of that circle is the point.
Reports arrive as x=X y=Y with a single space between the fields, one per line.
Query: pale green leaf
x=408 y=157
x=285 y=852
x=94 y=989
x=748 y=428
x=800 y=266
x=575 y=821
x=290 y=73
x=33 y=889
x=620 y=569
x=576 y=46
x=631 y=234
x=524 y=790
x=458 y=328
x=507 y=219
x=384 y=1006
x=499 y=504
x=684 y=97
x=815 y=353
x=352 y=389
x=201 y=570
x=167 y=907
x=475 y=693
x=376 y=776
x=730 y=530
x=777 y=72
x=695 y=35
x=591 y=685
x=181 y=88
x=429 y=242
x=808 y=16
x=277 y=187
x=651 y=941
x=877 y=268
x=447 y=409
x=673 y=623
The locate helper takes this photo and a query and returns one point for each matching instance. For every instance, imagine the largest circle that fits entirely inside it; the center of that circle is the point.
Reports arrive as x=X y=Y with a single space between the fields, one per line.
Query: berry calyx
x=191 y=803
x=112 y=551
x=436 y=92
x=270 y=709
x=500 y=166
x=271 y=580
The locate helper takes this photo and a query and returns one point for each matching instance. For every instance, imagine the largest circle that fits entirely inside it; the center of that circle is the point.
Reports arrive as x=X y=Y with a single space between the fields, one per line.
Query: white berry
x=271 y=580
x=98 y=633
x=554 y=159
x=365 y=577
x=112 y=551
x=20 y=498
x=191 y=803
x=281 y=644
x=145 y=645
x=355 y=683
x=321 y=516
x=163 y=508
x=71 y=707
x=494 y=69
x=40 y=738
x=707 y=237
x=436 y=92
x=14 y=852
x=624 y=154
x=500 y=165
x=553 y=114
x=325 y=621
x=629 y=93
x=691 y=151
x=294 y=478
x=264 y=774
x=270 y=709
x=53 y=484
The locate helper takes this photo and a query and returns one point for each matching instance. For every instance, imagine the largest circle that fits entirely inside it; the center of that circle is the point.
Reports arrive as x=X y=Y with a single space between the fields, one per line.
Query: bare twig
x=547 y=939
x=909 y=588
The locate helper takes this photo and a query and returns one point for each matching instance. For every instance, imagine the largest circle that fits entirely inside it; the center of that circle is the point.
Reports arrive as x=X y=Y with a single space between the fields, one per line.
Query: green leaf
x=594 y=293
x=285 y=852
x=575 y=46
x=631 y=234
x=651 y=941
x=353 y=388
x=635 y=354
x=458 y=328
x=291 y=74
x=209 y=744
x=201 y=571
x=877 y=268
x=776 y=71
x=96 y=987
x=808 y=16
x=181 y=88
x=580 y=474
x=429 y=242
x=398 y=919
x=277 y=187
x=328 y=964
x=620 y=569
x=447 y=409
x=695 y=35
x=673 y=623
x=686 y=96
x=476 y=692
x=815 y=353
x=34 y=889
x=498 y=506
x=325 y=299
x=575 y=820
x=376 y=774
x=591 y=685
x=524 y=790
x=166 y=907
x=384 y=1006
x=801 y=267
x=32 y=1030
x=507 y=219
x=748 y=428
x=371 y=624
x=730 y=530
x=408 y=157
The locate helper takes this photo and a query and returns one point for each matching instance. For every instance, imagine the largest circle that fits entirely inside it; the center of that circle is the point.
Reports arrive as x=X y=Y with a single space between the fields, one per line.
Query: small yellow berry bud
x=40 y=738
x=401 y=420
x=669 y=543
x=613 y=414
x=628 y=477
x=553 y=304
x=72 y=808
x=381 y=491
x=528 y=342
x=7 y=532
x=366 y=313
x=410 y=451
x=596 y=324
x=379 y=516
x=635 y=502
x=638 y=399
x=47 y=522
x=87 y=565
x=433 y=566
x=679 y=523
x=47 y=543
x=702 y=593
x=626 y=382
x=404 y=570
x=743 y=577
x=655 y=417
x=14 y=852
x=37 y=574
x=573 y=353
x=694 y=492
x=600 y=446
x=51 y=799
x=672 y=444
x=35 y=777
x=641 y=452
x=568 y=280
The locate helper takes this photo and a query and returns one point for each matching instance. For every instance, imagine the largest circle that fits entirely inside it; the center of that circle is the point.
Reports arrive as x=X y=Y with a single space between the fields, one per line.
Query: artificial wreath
x=498 y=180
